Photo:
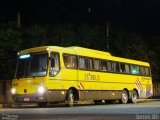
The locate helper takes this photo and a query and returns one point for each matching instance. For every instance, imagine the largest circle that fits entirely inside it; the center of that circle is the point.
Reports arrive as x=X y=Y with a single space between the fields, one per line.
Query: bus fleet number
x=91 y=77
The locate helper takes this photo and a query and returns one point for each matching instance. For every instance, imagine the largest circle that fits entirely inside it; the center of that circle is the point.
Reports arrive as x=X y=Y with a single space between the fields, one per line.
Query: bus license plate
x=26 y=99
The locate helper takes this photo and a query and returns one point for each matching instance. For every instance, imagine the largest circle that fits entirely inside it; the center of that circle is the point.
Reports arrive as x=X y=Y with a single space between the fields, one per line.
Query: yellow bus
x=51 y=74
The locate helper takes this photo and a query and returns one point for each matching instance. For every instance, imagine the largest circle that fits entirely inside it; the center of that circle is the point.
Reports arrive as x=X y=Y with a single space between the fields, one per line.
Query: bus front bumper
x=29 y=98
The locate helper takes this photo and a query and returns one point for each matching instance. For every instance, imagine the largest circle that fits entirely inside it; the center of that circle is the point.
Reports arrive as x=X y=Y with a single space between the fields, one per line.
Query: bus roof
x=86 y=50
x=39 y=49
x=83 y=52
x=104 y=55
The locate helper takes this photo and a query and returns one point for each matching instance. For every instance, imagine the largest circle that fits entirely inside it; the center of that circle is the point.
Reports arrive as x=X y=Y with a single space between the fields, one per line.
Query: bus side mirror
x=52 y=63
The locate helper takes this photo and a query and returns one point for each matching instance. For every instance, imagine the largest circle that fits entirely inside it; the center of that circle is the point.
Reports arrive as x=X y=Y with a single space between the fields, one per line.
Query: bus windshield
x=32 y=65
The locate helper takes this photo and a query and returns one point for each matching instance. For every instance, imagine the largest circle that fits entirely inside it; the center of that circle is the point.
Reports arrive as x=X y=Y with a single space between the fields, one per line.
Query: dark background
x=140 y=16
x=133 y=28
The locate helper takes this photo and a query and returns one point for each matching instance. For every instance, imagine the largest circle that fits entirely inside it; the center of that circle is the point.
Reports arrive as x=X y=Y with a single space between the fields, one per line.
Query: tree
x=33 y=36
x=134 y=46
x=122 y=43
x=10 y=42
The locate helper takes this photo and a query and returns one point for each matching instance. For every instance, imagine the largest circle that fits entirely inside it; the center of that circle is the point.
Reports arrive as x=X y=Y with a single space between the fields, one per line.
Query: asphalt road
x=143 y=110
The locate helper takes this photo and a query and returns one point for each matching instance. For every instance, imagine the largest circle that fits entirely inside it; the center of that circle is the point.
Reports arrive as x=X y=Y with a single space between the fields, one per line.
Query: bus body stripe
x=138 y=84
x=80 y=85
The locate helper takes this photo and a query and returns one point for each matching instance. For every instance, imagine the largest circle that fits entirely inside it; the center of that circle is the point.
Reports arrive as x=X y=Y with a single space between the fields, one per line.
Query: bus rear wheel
x=134 y=96
x=124 y=97
x=70 y=98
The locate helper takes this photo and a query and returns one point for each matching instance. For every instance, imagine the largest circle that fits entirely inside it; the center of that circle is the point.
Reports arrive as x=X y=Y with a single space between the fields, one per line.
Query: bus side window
x=113 y=66
x=70 y=61
x=74 y=61
x=97 y=64
x=147 y=71
x=142 y=71
x=104 y=65
x=81 y=63
x=54 y=67
x=122 y=68
x=109 y=66
x=89 y=63
x=127 y=68
x=117 y=66
x=134 y=69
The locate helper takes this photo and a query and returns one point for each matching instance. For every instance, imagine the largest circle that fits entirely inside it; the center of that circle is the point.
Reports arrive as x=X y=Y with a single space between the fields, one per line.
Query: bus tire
x=124 y=97
x=98 y=102
x=70 y=98
x=42 y=104
x=134 y=96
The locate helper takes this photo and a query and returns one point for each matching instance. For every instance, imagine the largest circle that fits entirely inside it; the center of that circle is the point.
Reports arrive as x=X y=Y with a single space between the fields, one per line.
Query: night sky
x=141 y=16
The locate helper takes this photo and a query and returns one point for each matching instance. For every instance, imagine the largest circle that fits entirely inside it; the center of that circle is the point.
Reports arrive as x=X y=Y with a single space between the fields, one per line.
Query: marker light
x=47 y=49
x=24 y=56
x=13 y=90
x=41 y=90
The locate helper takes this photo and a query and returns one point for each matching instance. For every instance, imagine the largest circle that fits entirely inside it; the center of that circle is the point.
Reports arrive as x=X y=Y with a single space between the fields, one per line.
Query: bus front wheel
x=124 y=97
x=70 y=98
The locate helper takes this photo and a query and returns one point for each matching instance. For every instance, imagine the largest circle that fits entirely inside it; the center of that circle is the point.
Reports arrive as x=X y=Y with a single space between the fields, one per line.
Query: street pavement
x=143 y=110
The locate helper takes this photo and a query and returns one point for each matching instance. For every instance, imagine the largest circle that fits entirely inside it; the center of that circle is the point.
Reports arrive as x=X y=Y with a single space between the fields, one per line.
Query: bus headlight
x=13 y=90
x=41 y=90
